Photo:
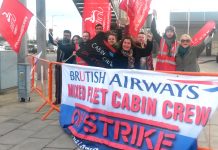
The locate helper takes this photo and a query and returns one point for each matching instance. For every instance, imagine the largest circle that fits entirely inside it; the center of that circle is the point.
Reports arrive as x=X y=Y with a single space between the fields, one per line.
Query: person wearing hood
x=168 y=46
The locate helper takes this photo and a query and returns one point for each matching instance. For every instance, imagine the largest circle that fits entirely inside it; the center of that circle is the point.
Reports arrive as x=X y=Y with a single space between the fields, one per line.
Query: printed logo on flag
x=11 y=20
x=96 y=16
x=96 y=12
x=15 y=18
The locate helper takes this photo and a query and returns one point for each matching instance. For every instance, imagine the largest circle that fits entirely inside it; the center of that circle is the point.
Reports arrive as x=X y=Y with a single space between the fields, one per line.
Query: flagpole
x=41 y=33
x=188 y=28
x=23 y=70
x=23 y=49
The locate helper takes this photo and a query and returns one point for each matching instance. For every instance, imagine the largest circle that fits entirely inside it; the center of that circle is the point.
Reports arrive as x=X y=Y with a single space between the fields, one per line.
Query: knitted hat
x=171 y=28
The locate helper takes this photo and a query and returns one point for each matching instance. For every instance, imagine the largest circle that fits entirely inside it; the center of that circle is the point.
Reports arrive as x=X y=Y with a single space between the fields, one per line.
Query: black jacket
x=121 y=61
x=65 y=52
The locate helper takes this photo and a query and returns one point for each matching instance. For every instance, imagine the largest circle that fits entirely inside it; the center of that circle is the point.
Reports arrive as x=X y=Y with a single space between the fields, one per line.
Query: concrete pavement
x=22 y=129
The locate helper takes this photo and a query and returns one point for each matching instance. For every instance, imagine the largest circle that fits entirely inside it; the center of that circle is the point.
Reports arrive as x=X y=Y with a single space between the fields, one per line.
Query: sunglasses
x=187 y=41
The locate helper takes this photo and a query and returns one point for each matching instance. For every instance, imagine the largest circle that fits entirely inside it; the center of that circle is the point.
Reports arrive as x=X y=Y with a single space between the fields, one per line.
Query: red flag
x=203 y=32
x=14 y=21
x=137 y=11
x=96 y=12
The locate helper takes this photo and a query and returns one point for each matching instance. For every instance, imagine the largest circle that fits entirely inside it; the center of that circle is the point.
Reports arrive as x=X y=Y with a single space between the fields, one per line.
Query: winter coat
x=189 y=62
x=120 y=61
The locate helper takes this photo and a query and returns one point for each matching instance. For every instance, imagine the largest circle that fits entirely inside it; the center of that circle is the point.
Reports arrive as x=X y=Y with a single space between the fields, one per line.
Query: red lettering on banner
x=128 y=117
x=143 y=105
x=76 y=114
x=77 y=91
x=203 y=115
x=95 y=96
x=147 y=134
x=166 y=114
x=104 y=92
x=90 y=91
x=116 y=130
x=125 y=132
x=151 y=106
x=189 y=113
x=178 y=111
x=115 y=104
x=161 y=141
x=125 y=102
x=185 y=113
x=135 y=104
x=136 y=135
x=77 y=117
x=106 y=122
x=92 y=127
x=140 y=136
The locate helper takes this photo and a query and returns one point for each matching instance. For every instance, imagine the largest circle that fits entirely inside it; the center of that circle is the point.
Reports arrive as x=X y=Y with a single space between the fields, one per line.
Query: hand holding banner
x=97 y=52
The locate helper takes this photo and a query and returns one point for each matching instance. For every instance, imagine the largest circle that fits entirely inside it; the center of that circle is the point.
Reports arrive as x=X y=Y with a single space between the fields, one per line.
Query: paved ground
x=22 y=129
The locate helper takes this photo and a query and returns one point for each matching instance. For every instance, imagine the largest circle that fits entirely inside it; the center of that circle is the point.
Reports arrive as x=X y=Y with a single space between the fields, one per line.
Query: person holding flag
x=129 y=55
x=168 y=45
x=146 y=63
x=64 y=54
x=187 y=55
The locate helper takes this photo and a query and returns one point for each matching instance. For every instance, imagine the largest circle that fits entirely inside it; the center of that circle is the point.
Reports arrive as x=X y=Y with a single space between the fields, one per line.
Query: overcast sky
x=66 y=16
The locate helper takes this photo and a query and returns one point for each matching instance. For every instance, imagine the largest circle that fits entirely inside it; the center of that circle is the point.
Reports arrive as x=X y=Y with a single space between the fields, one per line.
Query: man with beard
x=65 y=55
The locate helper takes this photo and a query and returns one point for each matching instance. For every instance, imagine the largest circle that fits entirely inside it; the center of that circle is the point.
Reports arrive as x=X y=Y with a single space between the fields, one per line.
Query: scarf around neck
x=169 y=43
x=182 y=51
x=131 y=59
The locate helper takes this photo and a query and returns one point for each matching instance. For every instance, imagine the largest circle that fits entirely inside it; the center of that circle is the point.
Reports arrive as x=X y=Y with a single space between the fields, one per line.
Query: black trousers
x=58 y=84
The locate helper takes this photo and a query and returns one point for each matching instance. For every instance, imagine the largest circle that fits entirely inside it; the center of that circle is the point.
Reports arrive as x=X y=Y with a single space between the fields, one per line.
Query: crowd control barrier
x=42 y=82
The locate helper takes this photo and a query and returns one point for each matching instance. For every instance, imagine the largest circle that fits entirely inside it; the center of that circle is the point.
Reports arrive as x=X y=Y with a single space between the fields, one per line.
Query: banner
x=97 y=52
x=137 y=11
x=15 y=18
x=108 y=109
x=96 y=12
x=203 y=33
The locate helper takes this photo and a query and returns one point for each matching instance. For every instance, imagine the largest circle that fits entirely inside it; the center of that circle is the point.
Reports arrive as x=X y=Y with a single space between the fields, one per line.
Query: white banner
x=167 y=106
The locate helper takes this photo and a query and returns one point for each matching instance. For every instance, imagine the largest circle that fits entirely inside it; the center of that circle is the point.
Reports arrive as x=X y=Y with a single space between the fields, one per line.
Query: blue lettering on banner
x=158 y=88
x=88 y=76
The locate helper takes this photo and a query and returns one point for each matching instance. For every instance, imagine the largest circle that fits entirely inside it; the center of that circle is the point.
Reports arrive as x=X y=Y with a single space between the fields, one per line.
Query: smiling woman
x=187 y=55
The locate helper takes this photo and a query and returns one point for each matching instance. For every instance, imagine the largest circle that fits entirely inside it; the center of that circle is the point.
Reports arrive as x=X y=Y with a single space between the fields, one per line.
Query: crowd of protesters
x=132 y=53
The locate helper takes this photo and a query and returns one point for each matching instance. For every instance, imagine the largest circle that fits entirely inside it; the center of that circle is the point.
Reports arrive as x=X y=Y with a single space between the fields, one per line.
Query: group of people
x=172 y=55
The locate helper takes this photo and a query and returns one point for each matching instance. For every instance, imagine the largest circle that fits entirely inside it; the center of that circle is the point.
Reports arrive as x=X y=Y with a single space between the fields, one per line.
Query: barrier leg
x=40 y=107
x=45 y=116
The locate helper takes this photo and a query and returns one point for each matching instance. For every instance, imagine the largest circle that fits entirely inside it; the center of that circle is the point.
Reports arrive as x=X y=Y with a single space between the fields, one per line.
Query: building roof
x=196 y=18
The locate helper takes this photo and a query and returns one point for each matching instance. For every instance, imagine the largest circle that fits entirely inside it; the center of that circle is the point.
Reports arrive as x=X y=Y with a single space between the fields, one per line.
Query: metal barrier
x=43 y=87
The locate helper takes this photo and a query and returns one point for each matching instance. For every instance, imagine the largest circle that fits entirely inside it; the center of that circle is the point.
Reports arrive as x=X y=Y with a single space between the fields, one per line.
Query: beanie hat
x=171 y=28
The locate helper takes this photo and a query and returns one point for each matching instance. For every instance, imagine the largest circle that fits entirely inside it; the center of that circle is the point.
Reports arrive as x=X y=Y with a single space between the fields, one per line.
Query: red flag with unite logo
x=14 y=21
x=96 y=12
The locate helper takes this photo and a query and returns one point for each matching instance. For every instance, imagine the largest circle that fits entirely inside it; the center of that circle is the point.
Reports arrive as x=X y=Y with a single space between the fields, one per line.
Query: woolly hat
x=171 y=28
